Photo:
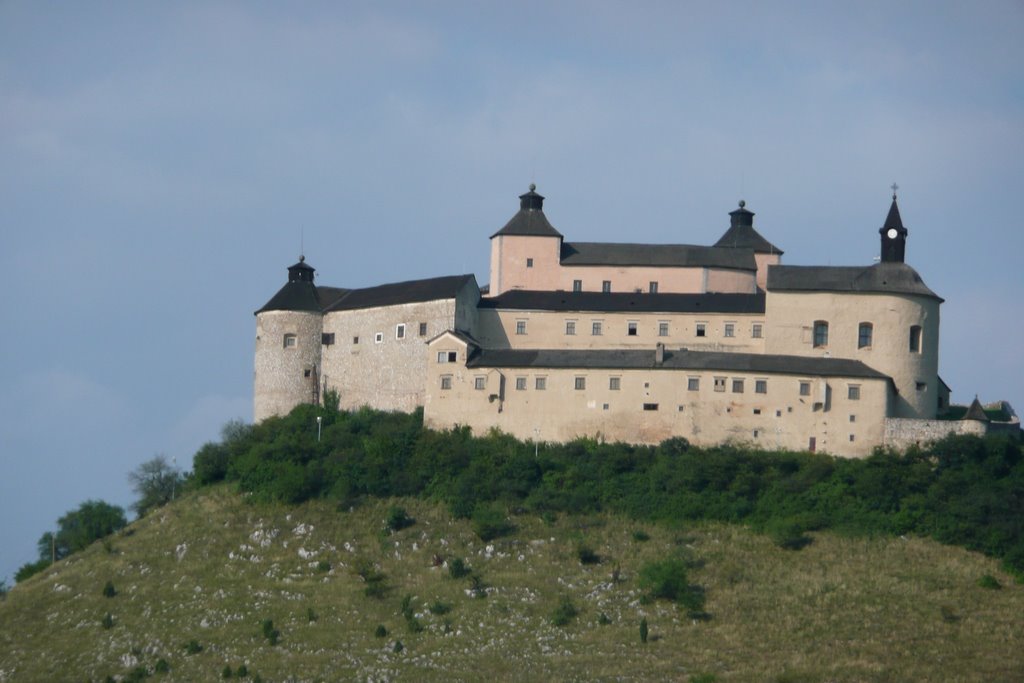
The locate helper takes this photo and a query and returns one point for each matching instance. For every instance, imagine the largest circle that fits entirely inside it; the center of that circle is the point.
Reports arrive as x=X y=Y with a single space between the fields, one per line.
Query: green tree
x=155 y=481
x=93 y=520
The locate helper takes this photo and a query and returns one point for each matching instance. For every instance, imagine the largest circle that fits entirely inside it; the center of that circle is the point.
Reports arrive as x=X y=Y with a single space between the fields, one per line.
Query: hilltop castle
x=630 y=342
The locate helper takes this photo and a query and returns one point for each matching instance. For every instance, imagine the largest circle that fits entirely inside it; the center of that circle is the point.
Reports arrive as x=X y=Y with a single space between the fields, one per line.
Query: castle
x=627 y=342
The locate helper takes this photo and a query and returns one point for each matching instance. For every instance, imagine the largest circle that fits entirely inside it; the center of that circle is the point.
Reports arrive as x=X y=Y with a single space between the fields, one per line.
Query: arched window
x=915 y=339
x=820 y=333
x=864 y=333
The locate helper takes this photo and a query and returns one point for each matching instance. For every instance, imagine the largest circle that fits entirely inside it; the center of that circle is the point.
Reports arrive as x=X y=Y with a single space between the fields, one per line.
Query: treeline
x=961 y=490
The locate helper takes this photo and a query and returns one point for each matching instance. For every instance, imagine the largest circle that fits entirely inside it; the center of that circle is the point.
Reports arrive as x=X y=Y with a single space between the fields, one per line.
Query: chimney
x=659 y=354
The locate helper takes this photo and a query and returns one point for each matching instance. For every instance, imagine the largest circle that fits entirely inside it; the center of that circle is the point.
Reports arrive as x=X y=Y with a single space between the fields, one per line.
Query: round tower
x=289 y=330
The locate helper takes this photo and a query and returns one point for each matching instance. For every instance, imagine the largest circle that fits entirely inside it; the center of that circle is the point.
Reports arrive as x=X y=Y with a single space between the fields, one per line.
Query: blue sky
x=161 y=164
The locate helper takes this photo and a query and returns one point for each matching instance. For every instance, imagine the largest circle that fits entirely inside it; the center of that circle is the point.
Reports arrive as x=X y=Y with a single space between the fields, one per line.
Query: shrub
x=641 y=536
x=669 y=580
x=108 y=590
x=323 y=566
x=787 y=534
x=226 y=673
x=30 y=569
x=311 y=616
x=587 y=555
x=243 y=671
x=489 y=522
x=136 y=675
x=603 y=619
x=643 y=630
x=380 y=631
x=477 y=585
x=439 y=608
x=990 y=582
x=269 y=632
x=458 y=569
x=414 y=625
x=564 y=613
x=398 y=519
x=107 y=621
x=193 y=647
x=162 y=666
x=398 y=647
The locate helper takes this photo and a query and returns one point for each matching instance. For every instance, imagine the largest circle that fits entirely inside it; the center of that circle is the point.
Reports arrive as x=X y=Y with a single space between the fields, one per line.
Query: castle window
x=805 y=388
x=520 y=384
x=757 y=330
x=755 y=433
x=581 y=383
x=631 y=329
x=702 y=330
x=479 y=383
x=577 y=285
x=423 y=329
x=820 y=333
x=693 y=384
x=760 y=386
x=737 y=386
x=614 y=383
x=606 y=286
x=327 y=338
x=446 y=382
x=520 y=327
x=355 y=340
x=719 y=384
x=853 y=418
x=307 y=372
x=570 y=327
x=915 y=339
x=290 y=341
x=400 y=332
x=595 y=328
x=851 y=437
x=653 y=288
x=730 y=329
x=650 y=406
x=447 y=356
x=757 y=411
x=540 y=383
x=662 y=329
x=529 y=263
x=921 y=386
x=853 y=392
x=864 y=333
x=378 y=338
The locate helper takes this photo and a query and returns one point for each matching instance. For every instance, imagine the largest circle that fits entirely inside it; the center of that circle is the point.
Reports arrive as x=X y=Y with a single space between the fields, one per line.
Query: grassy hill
x=212 y=568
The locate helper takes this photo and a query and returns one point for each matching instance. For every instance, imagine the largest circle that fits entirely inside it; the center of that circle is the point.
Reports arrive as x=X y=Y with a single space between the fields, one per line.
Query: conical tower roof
x=976 y=412
x=299 y=293
x=741 y=233
x=530 y=220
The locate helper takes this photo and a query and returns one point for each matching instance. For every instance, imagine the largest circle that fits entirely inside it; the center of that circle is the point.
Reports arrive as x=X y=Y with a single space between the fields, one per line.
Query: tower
x=526 y=253
x=894 y=235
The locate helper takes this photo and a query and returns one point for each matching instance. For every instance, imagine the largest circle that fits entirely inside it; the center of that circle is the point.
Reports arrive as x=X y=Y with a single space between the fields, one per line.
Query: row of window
x=865 y=335
x=633 y=328
x=606 y=285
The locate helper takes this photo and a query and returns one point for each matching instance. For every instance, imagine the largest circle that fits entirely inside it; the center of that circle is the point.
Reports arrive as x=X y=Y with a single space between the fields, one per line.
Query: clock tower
x=894 y=235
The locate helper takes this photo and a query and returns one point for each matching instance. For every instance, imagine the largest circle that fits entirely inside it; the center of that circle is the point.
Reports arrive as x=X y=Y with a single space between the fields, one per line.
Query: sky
x=161 y=164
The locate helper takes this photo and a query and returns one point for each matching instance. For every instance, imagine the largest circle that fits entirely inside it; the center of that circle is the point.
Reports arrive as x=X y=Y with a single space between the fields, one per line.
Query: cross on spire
x=894 y=187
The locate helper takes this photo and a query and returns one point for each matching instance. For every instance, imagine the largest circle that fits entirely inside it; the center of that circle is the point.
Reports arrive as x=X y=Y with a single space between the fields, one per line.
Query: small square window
x=761 y=386
x=662 y=329
x=730 y=329
x=520 y=384
x=479 y=383
x=719 y=384
x=606 y=286
x=805 y=388
x=778 y=413
x=702 y=330
x=853 y=392
x=400 y=332
x=581 y=383
x=290 y=341
x=757 y=330
x=378 y=338
x=653 y=288
x=423 y=329
x=631 y=329
x=446 y=382
x=680 y=409
x=921 y=386
x=693 y=384
x=540 y=383
x=596 y=328
x=529 y=263
x=605 y=407
x=851 y=437
x=853 y=418
x=307 y=373
x=520 y=327
x=737 y=386
x=570 y=327
x=650 y=406
x=577 y=285
x=757 y=411
x=614 y=383
x=327 y=339
x=355 y=340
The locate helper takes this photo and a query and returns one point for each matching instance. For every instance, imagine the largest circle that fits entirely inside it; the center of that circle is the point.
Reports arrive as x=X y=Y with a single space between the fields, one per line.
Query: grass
x=213 y=569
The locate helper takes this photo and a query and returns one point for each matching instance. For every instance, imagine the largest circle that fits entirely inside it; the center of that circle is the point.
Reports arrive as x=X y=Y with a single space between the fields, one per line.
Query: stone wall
x=901 y=433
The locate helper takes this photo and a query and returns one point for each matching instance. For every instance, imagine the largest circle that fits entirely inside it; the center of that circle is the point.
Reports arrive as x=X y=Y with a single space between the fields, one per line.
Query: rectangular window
x=921 y=386
x=650 y=406
x=693 y=384
x=581 y=383
x=760 y=386
x=653 y=288
x=719 y=384
x=662 y=329
x=423 y=329
x=540 y=383
x=355 y=340
x=479 y=383
x=737 y=386
x=757 y=411
x=447 y=356
x=757 y=330
x=327 y=339
x=864 y=333
x=606 y=286
x=446 y=382
x=853 y=392
x=307 y=372
x=730 y=329
x=614 y=383
x=915 y=339
x=631 y=329
x=851 y=437
x=529 y=263
x=290 y=341
x=595 y=328
x=853 y=418
x=702 y=329
x=378 y=338
x=570 y=327
x=400 y=332
x=577 y=285
x=805 y=388
x=520 y=384
x=520 y=327
x=820 y=333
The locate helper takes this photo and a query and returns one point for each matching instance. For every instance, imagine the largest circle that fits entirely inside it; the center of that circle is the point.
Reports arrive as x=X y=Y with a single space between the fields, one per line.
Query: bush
x=643 y=630
x=311 y=616
x=587 y=555
x=380 y=631
x=398 y=519
x=162 y=666
x=30 y=569
x=641 y=536
x=193 y=647
x=669 y=580
x=489 y=522
x=990 y=582
x=323 y=566
x=564 y=613
x=787 y=534
x=243 y=671
x=107 y=621
x=458 y=569
x=439 y=608
x=398 y=647
x=226 y=673
x=108 y=590
x=269 y=632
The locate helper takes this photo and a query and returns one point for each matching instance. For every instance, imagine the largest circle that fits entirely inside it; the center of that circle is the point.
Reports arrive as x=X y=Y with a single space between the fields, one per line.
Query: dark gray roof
x=881 y=278
x=527 y=300
x=530 y=220
x=638 y=359
x=411 y=291
x=741 y=233
x=976 y=412
x=298 y=295
x=655 y=255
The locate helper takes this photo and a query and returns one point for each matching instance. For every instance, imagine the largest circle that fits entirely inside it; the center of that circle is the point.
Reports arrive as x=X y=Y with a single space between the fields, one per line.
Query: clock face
x=892 y=233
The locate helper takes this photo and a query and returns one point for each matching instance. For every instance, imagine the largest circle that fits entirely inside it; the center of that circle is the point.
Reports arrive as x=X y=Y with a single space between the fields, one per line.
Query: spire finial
x=894 y=187
x=742 y=203
x=533 y=187
x=302 y=258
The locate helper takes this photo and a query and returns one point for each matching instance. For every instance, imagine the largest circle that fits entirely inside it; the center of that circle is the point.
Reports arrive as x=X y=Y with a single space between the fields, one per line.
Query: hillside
x=212 y=567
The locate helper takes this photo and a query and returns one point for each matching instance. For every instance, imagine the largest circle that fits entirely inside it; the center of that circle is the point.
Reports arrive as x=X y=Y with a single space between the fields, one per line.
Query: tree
x=156 y=482
x=93 y=520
